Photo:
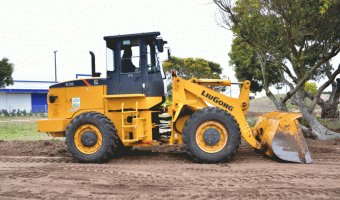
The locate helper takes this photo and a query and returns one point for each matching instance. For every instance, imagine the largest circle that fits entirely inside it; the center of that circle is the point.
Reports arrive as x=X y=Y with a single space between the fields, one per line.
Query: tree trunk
x=330 y=108
x=318 y=130
x=330 y=111
x=279 y=105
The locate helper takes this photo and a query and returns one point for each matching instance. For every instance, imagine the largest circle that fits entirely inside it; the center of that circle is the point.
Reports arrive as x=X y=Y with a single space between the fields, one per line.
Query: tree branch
x=311 y=72
x=323 y=87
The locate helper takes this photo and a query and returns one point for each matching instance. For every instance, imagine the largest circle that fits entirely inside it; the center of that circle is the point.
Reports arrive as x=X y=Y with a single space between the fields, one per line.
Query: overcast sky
x=32 y=30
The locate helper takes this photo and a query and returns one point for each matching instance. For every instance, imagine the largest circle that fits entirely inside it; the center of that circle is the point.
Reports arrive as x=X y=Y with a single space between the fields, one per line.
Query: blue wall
x=39 y=102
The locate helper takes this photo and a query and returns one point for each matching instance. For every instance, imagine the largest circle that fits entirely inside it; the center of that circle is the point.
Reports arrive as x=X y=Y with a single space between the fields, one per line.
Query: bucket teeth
x=283 y=137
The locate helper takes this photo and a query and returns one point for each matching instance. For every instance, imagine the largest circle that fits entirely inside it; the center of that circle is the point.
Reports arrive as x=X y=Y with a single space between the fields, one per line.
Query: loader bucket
x=280 y=135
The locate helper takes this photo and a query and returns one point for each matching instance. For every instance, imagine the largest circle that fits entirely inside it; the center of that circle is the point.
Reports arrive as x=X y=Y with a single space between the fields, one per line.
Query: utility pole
x=55 y=65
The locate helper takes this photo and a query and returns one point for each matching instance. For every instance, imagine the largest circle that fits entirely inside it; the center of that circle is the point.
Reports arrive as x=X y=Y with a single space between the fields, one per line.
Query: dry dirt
x=44 y=170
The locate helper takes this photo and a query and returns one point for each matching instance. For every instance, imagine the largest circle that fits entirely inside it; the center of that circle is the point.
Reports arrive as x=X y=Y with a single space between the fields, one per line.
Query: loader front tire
x=91 y=137
x=211 y=135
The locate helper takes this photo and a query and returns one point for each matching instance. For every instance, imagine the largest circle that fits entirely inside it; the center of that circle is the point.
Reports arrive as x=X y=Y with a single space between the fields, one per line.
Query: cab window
x=153 y=65
x=130 y=52
x=110 y=60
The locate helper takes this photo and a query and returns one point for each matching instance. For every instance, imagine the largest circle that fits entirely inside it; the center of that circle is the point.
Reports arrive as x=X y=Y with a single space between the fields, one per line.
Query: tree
x=6 y=70
x=244 y=60
x=311 y=88
x=188 y=68
x=299 y=36
x=247 y=67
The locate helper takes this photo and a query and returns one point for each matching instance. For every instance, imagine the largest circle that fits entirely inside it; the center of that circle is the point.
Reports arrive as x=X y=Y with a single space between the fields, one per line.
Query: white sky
x=32 y=30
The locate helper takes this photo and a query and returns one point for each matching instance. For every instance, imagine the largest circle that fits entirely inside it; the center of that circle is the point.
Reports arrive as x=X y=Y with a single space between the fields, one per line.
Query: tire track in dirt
x=167 y=173
x=185 y=181
x=267 y=183
x=30 y=159
x=265 y=175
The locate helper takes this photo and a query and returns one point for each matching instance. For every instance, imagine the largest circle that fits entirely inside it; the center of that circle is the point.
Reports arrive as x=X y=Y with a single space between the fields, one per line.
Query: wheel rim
x=90 y=147
x=211 y=136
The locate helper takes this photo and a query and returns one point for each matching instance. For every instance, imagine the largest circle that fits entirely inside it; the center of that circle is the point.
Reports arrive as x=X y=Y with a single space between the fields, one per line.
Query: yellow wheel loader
x=103 y=116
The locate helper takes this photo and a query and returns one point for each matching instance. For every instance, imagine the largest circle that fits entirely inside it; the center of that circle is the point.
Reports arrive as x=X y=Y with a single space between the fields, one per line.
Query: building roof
x=20 y=86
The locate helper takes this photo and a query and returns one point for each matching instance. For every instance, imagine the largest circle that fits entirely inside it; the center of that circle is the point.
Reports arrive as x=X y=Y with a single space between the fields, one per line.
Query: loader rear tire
x=91 y=137
x=211 y=135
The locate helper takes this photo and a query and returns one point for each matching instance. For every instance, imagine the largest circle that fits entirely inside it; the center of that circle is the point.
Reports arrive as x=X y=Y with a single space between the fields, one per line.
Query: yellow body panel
x=57 y=110
x=114 y=104
x=91 y=98
x=53 y=125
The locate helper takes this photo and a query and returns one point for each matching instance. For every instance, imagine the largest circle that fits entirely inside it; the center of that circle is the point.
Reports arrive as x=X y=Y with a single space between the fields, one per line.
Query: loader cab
x=132 y=64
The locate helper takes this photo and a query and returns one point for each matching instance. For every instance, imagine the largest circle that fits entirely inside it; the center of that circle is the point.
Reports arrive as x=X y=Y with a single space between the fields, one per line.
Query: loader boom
x=189 y=94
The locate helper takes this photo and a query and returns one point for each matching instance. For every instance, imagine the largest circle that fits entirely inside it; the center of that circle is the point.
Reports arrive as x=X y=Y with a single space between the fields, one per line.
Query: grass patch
x=25 y=131
x=24 y=118
x=251 y=121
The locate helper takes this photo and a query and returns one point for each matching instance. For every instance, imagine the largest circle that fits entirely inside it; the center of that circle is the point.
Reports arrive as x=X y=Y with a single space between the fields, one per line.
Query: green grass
x=251 y=121
x=25 y=118
x=25 y=131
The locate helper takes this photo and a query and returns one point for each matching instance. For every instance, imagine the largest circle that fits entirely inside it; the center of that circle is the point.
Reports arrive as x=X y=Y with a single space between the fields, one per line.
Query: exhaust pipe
x=93 y=64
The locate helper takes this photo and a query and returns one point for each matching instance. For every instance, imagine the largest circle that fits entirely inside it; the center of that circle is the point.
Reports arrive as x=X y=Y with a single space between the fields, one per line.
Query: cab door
x=131 y=77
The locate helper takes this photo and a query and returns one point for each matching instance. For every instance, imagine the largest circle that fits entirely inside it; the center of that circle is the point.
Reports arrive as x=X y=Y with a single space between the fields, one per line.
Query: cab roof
x=131 y=36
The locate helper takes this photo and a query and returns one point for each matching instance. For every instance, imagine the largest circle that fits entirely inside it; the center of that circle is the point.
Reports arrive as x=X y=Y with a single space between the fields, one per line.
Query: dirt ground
x=44 y=170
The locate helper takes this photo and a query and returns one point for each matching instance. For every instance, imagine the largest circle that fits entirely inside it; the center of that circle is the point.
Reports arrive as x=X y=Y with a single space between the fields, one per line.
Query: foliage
x=247 y=66
x=13 y=113
x=36 y=112
x=42 y=113
x=188 y=68
x=19 y=113
x=6 y=113
x=24 y=112
x=311 y=87
x=6 y=70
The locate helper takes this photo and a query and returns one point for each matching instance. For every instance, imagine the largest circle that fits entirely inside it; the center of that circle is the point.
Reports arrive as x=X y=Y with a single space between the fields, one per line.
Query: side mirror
x=160 y=44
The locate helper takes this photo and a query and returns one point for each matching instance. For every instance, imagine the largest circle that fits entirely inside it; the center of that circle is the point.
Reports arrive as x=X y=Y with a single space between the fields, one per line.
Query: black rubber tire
x=107 y=131
x=211 y=114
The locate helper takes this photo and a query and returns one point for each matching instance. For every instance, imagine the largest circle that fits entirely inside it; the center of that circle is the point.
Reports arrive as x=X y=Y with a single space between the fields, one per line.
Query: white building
x=28 y=95
x=25 y=95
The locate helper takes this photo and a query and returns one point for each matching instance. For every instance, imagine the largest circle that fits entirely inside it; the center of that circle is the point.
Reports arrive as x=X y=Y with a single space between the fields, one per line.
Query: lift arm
x=192 y=92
